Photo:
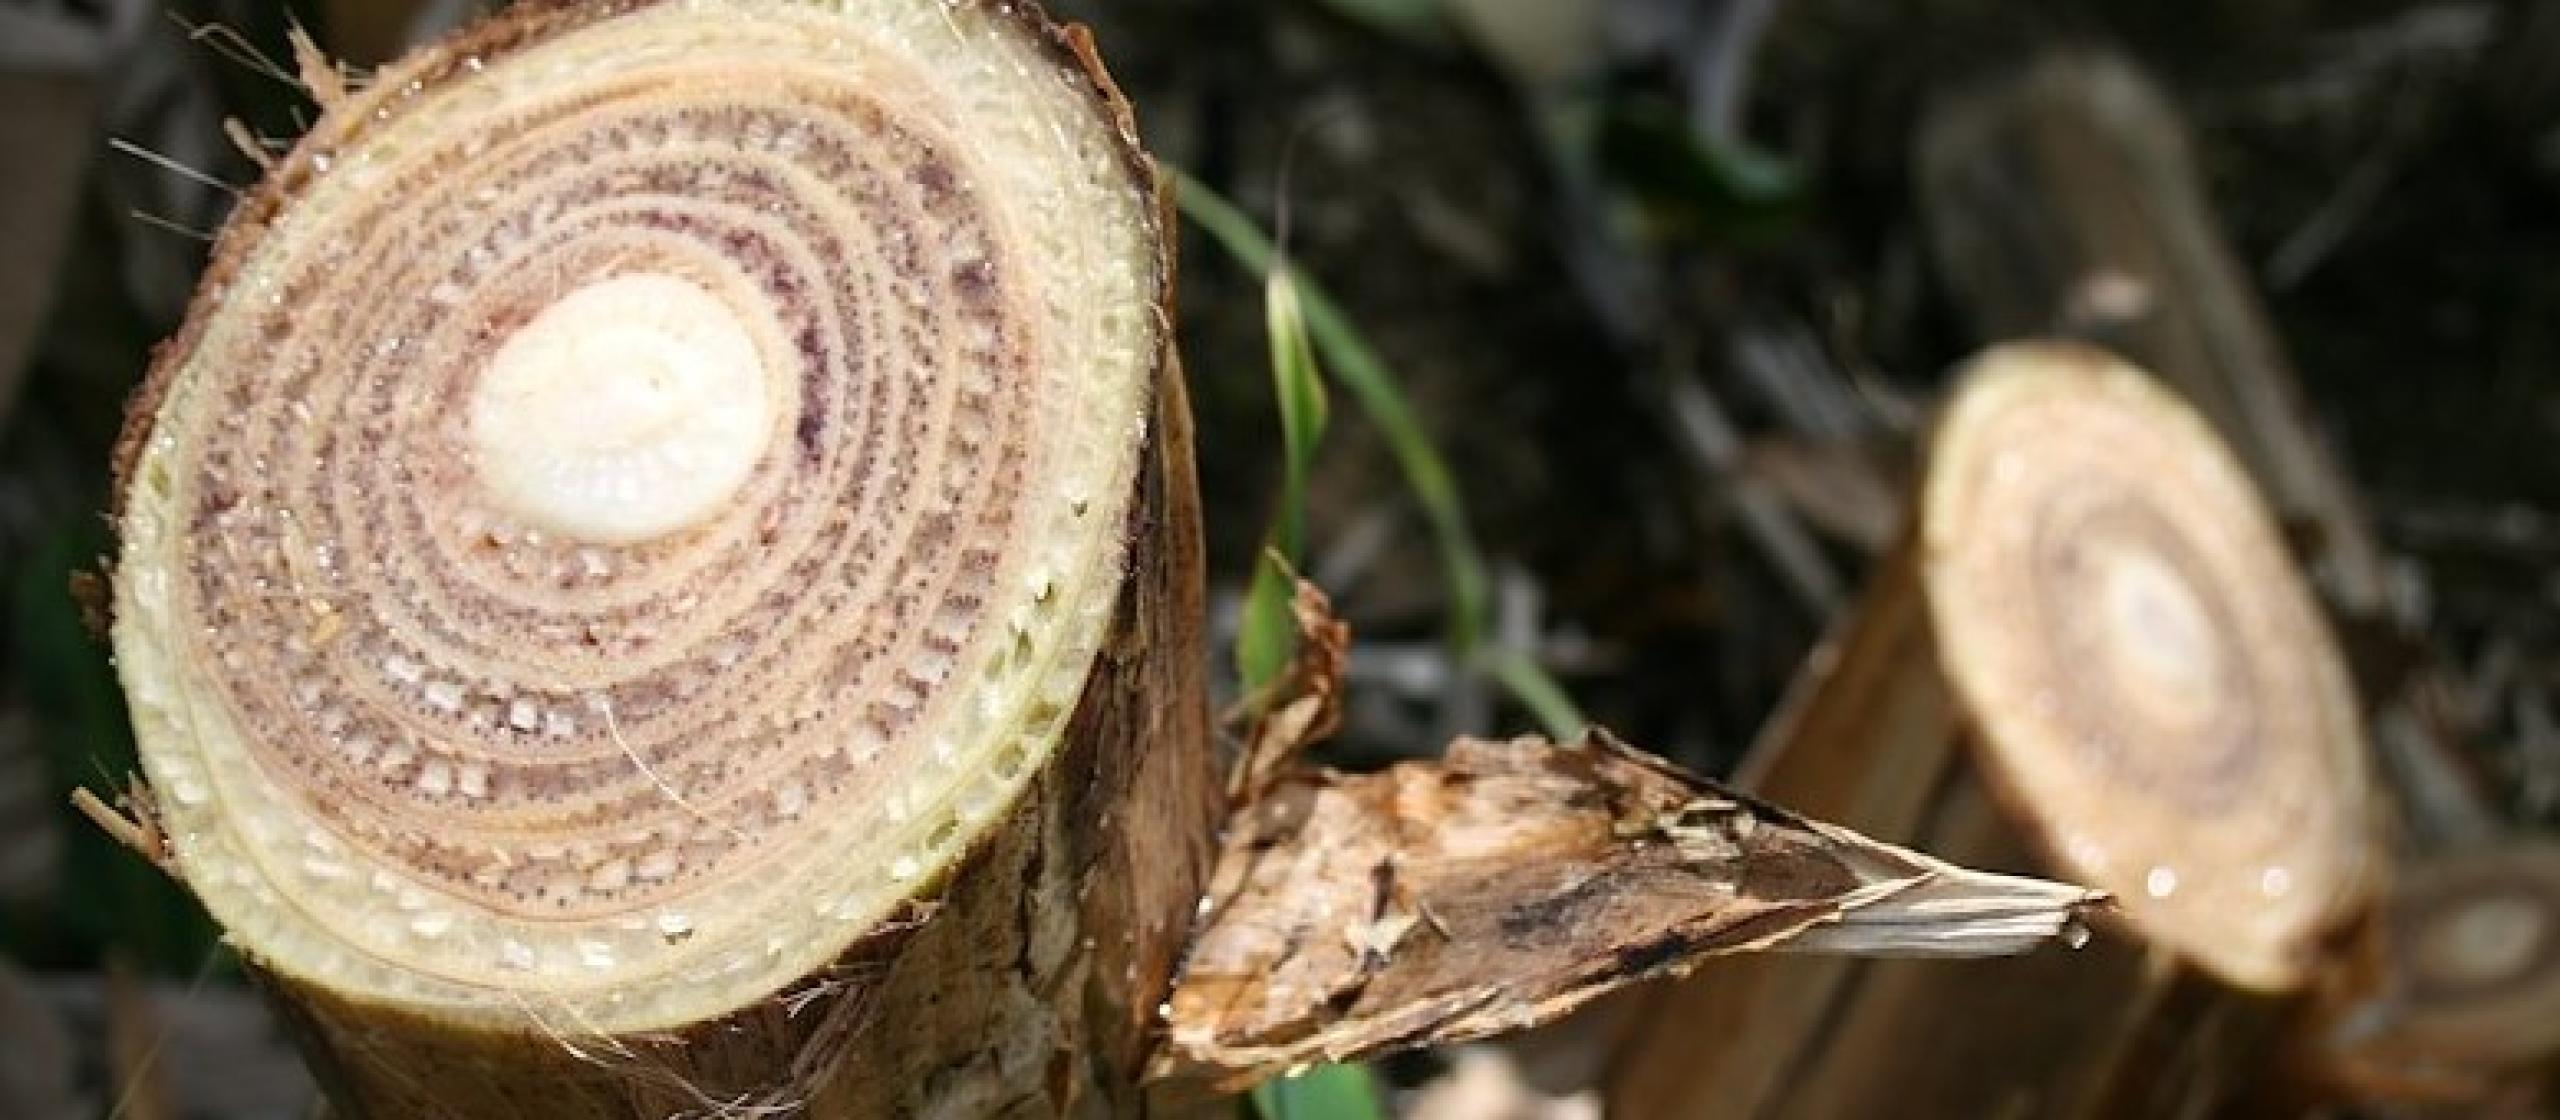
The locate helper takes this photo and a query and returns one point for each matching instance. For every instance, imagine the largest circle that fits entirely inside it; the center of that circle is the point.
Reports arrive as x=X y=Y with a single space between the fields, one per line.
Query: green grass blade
x=1323 y=1093
x=1299 y=387
x=1267 y=634
x=1380 y=397
x=1535 y=690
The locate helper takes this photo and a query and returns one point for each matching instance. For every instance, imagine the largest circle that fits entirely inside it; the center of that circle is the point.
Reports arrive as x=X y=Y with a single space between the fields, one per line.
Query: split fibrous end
x=637 y=498
x=1915 y=905
x=1506 y=884
x=2153 y=690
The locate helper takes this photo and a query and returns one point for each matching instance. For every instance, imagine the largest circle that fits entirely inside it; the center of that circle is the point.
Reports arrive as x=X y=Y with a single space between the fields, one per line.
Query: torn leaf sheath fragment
x=1509 y=882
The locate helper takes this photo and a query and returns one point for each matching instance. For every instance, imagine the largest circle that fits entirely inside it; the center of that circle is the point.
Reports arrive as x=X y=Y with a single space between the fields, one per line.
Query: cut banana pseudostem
x=638 y=500
x=2153 y=687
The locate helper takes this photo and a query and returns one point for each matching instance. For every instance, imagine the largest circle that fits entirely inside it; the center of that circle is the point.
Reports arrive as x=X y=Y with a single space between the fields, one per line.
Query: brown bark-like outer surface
x=1034 y=992
x=1022 y=981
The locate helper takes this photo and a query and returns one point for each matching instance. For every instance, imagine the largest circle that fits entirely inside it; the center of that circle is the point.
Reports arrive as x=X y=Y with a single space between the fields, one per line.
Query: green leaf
x=1380 y=396
x=1333 y=1092
x=1298 y=311
x=1268 y=633
x=1419 y=22
x=1299 y=388
x=1546 y=700
x=1721 y=191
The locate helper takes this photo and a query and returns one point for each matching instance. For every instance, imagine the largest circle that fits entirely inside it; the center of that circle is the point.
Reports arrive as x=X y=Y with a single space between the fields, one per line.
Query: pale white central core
x=2162 y=633
x=631 y=408
x=2492 y=939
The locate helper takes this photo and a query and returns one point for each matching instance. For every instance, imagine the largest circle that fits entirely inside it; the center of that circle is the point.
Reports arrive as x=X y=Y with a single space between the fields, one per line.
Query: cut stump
x=2093 y=656
x=2463 y=1017
x=661 y=575
x=2066 y=200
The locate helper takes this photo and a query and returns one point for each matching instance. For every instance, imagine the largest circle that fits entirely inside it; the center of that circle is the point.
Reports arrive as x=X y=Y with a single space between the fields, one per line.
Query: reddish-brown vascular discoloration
x=1138 y=758
x=526 y=24
x=394 y=734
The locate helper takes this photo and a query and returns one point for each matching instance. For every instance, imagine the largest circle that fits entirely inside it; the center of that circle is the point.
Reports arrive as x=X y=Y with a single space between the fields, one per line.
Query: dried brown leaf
x=1304 y=706
x=1507 y=883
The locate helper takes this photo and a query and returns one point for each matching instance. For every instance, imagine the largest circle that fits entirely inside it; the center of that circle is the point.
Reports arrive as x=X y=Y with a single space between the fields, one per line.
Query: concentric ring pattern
x=420 y=739
x=2476 y=942
x=2152 y=683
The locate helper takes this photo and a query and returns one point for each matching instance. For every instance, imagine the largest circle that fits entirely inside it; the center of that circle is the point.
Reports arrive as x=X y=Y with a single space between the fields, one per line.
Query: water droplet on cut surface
x=189 y=791
x=903 y=868
x=472 y=779
x=2161 y=882
x=612 y=875
x=656 y=865
x=2275 y=882
x=435 y=779
x=432 y=924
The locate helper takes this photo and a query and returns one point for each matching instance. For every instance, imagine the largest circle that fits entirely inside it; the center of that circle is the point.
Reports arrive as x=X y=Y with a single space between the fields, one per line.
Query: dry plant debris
x=1510 y=882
